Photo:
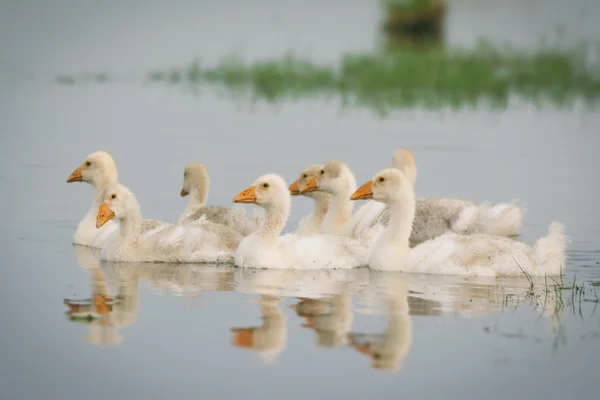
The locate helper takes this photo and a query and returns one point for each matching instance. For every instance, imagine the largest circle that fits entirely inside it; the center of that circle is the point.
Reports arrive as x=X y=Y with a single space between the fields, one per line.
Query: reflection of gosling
x=388 y=349
x=269 y=339
x=331 y=319
x=103 y=313
x=95 y=312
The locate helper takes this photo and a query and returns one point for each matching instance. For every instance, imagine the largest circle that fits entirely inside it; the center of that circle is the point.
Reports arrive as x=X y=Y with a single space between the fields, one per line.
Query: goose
x=99 y=170
x=205 y=242
x=451 y=253
x=196 y=184
x=265 y=248
x=336 y=179
x=436 y=216
x=311 y=224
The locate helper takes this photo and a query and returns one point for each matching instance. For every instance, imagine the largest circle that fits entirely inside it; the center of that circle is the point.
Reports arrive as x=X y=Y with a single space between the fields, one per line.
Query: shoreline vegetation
x=412 y=77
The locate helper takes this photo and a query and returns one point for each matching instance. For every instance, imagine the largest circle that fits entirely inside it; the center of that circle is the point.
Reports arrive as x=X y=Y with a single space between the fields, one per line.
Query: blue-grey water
x=188 y=331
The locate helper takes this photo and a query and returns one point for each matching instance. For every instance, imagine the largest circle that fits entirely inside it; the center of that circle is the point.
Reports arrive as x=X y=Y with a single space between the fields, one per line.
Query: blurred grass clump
x=403 y=6
x=424 y=77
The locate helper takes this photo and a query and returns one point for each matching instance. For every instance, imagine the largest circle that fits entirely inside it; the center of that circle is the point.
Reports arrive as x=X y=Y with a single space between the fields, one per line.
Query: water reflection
x=269 y=339
x=330 y=318
x=325 y=302
x=387 y=349
x=103 y=313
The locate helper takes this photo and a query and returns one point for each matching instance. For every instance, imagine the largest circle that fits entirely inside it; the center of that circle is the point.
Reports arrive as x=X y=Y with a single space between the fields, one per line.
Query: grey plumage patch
x=235 y=218
x=431 y=220
x=150 y=224
x=213 y=213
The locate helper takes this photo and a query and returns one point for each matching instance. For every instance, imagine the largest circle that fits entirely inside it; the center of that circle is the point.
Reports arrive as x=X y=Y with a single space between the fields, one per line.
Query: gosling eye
x=305 y=176
x=322 y=171
x=382 y=179
x=113 y=196
x=88 y=163
x=265 y=185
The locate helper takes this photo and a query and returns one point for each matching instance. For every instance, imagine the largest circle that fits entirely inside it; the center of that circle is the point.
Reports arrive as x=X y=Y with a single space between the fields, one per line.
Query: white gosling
x=311 y=224
x=451 y=253
x=337 y=179
x=436 y=216
x=206 y=242
x=99 y=170
x=267 y=249
x=196 y=184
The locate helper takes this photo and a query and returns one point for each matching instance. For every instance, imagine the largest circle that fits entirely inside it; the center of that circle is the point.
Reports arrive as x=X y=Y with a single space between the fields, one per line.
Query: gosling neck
x=340 y=210
x=402 y=215
x=197 y=199
x=131 y=224
x=322 y=201
x=276 y=215
x=200 y=193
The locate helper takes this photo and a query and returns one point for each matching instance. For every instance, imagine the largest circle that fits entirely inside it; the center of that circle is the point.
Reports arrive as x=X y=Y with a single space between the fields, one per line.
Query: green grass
x=433 y=78
x=401 y=6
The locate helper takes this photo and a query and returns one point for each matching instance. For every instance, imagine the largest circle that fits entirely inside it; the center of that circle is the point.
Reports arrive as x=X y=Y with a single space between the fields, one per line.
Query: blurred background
x=497 y=99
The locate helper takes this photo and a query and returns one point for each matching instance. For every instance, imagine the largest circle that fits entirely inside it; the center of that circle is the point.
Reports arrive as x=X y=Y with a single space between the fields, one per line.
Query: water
x=170 y=330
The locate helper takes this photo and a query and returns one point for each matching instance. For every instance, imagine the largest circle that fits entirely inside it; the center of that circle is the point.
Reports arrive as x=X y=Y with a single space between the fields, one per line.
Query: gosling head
x=267 y=191
x=333 y=177
x=389 y=186
x=306 y=174
x=117 y=202
x=404 y=160
x=195 y=176
x=97 y=169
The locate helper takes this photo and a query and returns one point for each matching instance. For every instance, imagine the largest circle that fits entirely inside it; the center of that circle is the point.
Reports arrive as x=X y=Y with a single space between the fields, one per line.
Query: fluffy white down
x=201 y=243
x=293 y=251
x=267 y=249
x=477 y=254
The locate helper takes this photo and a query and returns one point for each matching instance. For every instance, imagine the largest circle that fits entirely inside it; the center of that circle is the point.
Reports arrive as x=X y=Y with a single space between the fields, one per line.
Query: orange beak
x=363 y=193
x=247 y=195
x=105 y=214
x=183 y=193
x=294 y=190
x=75 y=176
x=310 y=186
x=243 y=337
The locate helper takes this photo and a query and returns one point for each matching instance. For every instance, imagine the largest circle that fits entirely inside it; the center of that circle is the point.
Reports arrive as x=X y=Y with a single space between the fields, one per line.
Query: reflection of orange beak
x=243 y=337
x=294 y=190
x=362 y=348
x=310 y=323
x=73 y=308
x=184 y=193
x=105 y=214
x=363 y=193
x=247 y=195
x=75 y=176
x=310 y=186
x=102 y=307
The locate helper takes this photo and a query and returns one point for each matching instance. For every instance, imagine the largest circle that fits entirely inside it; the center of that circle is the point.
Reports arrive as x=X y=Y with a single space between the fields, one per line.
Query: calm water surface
x=186 y=331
